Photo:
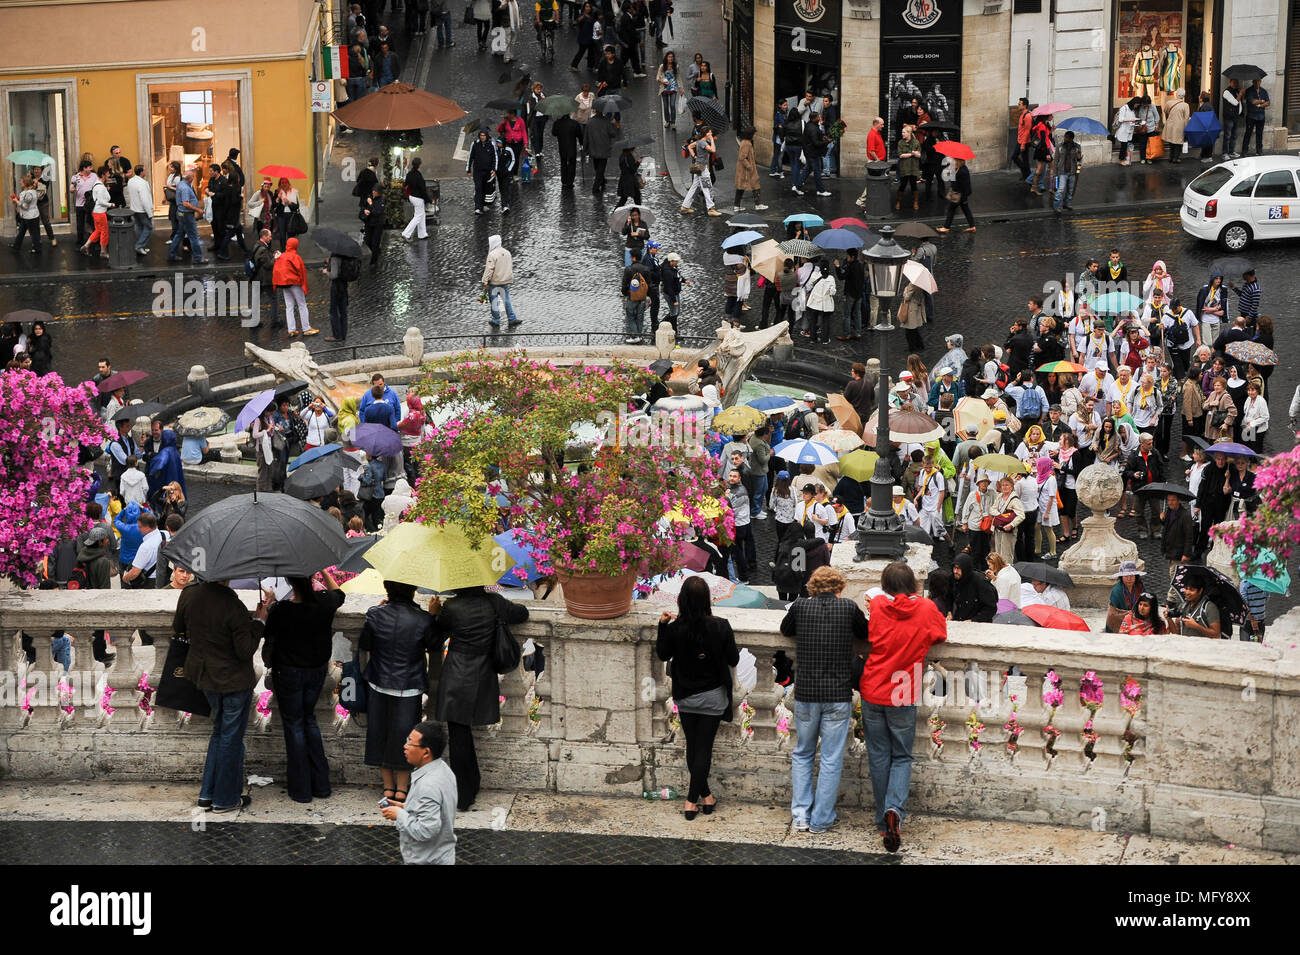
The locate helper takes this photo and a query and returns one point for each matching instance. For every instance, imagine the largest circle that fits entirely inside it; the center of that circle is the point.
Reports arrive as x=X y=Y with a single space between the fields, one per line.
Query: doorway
x=37 y=121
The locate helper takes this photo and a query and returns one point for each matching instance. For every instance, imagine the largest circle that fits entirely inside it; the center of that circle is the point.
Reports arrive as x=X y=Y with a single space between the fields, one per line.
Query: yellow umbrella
x=738 y=419
x=839 y=440
x=972 y=413
x=859 y=465
x=1002 y=463
x=709 y=507
x=369 y=581
x=439 y=558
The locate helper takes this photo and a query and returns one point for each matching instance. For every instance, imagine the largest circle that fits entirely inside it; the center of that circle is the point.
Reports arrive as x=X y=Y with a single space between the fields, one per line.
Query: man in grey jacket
x=1066 y=165
x=426 y=821
x=599 y=144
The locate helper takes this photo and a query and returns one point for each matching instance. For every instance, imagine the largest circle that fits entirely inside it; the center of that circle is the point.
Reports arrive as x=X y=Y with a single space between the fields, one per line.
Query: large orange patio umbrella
x=399 y=106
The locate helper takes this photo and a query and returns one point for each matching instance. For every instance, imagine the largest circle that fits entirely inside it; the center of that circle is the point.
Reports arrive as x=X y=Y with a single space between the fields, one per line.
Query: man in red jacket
x=903 y=625
x=876 y=141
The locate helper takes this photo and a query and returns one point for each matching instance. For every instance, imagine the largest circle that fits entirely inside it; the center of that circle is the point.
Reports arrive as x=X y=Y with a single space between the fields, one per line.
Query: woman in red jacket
x=290 y=276
x=902 y=626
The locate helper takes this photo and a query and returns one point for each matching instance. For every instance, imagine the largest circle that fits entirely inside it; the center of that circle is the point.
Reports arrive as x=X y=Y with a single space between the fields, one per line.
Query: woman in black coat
x=972 y=596
x=629 y=177
x=468 y=690
x=41 y=349
x=703 y=650
x=961 y=186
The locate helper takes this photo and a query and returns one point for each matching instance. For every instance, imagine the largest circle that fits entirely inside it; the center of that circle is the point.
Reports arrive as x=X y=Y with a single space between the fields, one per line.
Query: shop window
x=196 y=106
x=193 y=122
x=1278 y=184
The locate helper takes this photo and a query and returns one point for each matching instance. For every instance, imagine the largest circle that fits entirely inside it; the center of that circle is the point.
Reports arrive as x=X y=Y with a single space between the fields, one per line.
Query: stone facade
x=1216 y=755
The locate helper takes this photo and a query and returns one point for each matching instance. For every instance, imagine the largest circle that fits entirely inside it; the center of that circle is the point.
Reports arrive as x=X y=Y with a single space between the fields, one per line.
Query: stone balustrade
x=1216 y=755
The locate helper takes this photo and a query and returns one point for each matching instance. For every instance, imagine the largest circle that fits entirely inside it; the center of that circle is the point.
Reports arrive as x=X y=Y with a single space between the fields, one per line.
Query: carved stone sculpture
x=737 y=351
x=296 y=363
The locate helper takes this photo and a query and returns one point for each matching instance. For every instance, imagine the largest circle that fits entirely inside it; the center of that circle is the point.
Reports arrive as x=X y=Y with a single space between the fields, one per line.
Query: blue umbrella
x=522 y=556
x=1082 y=124
x=377 y=440
x=838 y=239
x=313 y=453
x=800 y=451
x=256 y=405
x=1229 y=447
x=1273 y=585
x=807 y=218
x=1112 y=303
x=742 y=238
x=1202 y=130
x=773 y=404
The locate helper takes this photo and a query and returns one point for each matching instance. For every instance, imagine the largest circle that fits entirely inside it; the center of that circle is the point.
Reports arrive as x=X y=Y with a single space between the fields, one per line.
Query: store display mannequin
x=1171 y=68
x=1146 y=66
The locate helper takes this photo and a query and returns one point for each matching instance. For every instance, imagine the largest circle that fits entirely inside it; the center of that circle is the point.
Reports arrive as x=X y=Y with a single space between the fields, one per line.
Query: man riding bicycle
x=546 y=15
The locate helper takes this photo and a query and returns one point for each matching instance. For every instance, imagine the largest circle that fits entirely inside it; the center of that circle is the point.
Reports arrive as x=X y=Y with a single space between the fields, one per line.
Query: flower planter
x=597 y=596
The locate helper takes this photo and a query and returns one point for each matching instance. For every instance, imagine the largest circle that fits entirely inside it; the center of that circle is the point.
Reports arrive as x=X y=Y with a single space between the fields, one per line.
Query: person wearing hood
x=481 y=166
x=955 y=357
x=93 y=552
x=1211 y=305
x=165 y=467
x=498 y=273
x=290 y=276
x=903 y=626
x=411 y=428
x=973 y=596
x=127 y=524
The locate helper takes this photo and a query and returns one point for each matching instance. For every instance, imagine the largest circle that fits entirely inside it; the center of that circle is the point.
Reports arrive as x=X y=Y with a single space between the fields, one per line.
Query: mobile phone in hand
x=384 y=803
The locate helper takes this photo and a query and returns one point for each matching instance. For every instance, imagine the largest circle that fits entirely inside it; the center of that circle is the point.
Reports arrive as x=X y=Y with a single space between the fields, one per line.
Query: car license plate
x=1191 y=213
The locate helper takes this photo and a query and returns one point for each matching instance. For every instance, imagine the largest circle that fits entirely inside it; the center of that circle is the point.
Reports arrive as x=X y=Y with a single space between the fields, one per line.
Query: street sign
x=322 y=96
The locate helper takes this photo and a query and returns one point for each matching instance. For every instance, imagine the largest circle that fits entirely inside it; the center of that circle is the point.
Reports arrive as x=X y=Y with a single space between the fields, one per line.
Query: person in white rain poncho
x=930 y=490
x=1038 y=592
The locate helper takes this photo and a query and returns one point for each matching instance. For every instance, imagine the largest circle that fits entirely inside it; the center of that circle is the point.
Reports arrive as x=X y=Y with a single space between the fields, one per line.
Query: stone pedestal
x=665 y=339
x=197 y=382
x=1220 y=556
x=861 y=577
x=1093 y=561
x=413 y=345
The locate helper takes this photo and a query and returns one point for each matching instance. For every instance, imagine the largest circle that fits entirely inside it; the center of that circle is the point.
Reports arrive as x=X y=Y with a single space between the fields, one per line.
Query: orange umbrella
x=844 y=413
x=282 y=172
x=1054 y=618
x=399 y=106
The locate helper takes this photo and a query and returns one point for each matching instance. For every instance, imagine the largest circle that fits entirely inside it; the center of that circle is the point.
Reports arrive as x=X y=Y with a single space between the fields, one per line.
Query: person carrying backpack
x=341 y=270
x=93 y=570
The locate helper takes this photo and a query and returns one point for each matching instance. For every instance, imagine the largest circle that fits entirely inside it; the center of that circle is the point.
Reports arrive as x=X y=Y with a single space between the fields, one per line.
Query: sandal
x=396 y=800
x=389 y=794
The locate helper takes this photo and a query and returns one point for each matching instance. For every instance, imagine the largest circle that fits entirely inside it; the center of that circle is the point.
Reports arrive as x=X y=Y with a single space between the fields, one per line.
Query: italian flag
x=335 y=62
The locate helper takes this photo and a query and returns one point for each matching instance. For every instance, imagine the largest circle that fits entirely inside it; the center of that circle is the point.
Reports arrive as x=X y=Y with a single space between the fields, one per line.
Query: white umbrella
x=720 y=588
x=920 y=276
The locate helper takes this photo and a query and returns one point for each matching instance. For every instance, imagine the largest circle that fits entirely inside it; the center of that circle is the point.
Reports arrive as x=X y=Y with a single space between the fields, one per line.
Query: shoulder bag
x=505 y=649
x=175 y=690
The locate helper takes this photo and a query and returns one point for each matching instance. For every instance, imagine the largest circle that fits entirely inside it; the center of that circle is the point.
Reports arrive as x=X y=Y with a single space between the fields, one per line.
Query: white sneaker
x=761 y=515
x=796 y=190
x=735 y=209
x=759 y=207
x=823 y=193
x=799 y=826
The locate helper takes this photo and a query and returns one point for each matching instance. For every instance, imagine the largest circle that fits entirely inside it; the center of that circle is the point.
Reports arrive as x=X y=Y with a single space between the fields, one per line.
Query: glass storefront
x=807 y=49
x=920 y=61
x=195 y=122
x=1161 y=46
x=37 y=121
x=1292 y=103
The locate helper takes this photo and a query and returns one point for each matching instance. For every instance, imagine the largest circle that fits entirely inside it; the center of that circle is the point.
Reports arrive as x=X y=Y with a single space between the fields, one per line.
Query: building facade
x=969 y=61
x=165 y=80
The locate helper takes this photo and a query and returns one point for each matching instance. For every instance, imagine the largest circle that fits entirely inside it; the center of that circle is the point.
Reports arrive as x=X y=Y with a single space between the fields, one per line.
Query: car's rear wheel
x=1235 y=236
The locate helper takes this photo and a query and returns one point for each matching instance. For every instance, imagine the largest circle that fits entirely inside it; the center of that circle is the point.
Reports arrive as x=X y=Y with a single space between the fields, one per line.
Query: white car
x=1241 y=200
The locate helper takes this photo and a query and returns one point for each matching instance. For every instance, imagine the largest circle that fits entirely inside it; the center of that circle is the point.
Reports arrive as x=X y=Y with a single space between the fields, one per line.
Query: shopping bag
x=1155 y=148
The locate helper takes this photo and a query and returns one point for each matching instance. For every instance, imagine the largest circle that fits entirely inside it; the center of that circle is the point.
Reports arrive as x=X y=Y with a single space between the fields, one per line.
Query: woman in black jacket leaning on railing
x=702 y=650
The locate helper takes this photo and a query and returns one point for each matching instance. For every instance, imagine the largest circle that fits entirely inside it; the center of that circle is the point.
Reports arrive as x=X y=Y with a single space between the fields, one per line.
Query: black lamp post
x=880 y=530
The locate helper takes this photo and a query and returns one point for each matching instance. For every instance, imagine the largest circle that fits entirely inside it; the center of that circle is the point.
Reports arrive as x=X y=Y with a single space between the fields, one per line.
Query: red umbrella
x=282 y=172
x=1047 y=109
x=954 y=149
x=689 y=557
x=1054 y=618
x=847 y=220
x=123 y=379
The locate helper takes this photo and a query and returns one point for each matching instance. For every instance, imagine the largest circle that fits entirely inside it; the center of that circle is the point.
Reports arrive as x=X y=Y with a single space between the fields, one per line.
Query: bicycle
x=546 y=37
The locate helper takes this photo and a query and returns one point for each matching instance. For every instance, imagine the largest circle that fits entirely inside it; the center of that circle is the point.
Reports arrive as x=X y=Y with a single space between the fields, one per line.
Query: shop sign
x=822 y=14
x=912 y=19
x=806 y=46
x=322 y=96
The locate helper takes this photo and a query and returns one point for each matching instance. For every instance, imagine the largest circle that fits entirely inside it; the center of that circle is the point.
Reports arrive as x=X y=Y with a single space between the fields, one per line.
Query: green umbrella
x=1265 y=558
x=559 y=105
x=28 y=157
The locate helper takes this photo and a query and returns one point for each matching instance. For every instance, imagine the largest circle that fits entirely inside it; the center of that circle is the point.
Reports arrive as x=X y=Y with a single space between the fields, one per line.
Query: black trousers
x=914 y=343
x=598 y=178
x=568 y=167
x=339 y=309
x=700 y=731
x=483 y=27
x=482 y=179
x=1164 y=433
x=1025 y=536
x=464 y=764
x=952 y=211
x=85 y=224
x=374 y=242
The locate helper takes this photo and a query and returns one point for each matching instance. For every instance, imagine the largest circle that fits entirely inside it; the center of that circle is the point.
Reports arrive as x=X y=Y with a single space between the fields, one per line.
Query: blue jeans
x=891 y=731
x=634 y=317
x=830 y=722
x=669 y=101
x=828 y=161
x=1230 y=135
x=358 y=86
x=792 y=157
x=852 y=316
x=1064 y=189
x=444 y=29
x=775 y=167
x=297 y=689
x=223 y=773
x=759 y=501
x=143 y=229
x=189 y=231
x=814 y=168
x=499 y=296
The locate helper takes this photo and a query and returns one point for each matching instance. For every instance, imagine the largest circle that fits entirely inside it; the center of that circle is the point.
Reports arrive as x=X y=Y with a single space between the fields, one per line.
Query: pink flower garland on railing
x=937 y=723
x=105 y=699
x=1014 y=729
x=746 y=721
x=146 y=695
x=1053 y=696
x=263 y=705
x=1130 y=700
x=1091 y=697
x=973 y=729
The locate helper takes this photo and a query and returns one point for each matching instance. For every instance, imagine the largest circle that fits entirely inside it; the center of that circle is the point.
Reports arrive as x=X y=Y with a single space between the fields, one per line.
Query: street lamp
x=880 y=530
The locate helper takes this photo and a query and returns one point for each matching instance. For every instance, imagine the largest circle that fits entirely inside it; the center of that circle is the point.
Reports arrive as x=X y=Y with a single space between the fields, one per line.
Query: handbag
x=718 y=163
x=354 y=694
x=297 y=224
x=696 y=169
x=1003 y=520
x=953 y=196
x=505 y=649
x=469 y=14
x=1155 y=148
x=175 y=691
x=986 y=523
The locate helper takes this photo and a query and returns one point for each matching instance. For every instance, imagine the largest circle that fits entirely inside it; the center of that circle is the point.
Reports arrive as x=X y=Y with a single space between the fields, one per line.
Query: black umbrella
x=709 y=111
x=1218 y=587
x=868 y=237
x=940 y=127
x=1016 y=618
x=635 y=141
x=290 y=388
x=1247 y=72
x=913 y=533
x=611 y=101
x=273 y=535
x=1029 y=570
x=1161 y=487
x=502 y=104
x=915 y=230
x=336 y=243
x=1197 y=440
x=357 y=546
x=315 y=478
x=661 y=365
x=145 y=409
x=1233 y=265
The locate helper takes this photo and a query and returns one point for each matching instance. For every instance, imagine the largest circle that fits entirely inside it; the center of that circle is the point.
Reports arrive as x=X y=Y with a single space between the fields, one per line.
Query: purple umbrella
x=377 y=440
x=256 y=405
x=1230 y=447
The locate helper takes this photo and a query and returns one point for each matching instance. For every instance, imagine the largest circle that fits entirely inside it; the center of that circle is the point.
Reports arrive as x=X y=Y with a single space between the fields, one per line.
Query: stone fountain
x=1092 y=562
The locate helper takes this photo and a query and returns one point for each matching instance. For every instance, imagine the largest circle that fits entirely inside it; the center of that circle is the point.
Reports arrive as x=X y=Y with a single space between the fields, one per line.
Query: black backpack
x=79 y=579
x=1179 y=334
x=349 y=268
x=794 y=425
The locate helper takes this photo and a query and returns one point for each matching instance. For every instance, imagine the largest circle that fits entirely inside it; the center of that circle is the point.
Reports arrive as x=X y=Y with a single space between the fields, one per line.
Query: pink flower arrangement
x=1275 y=525
x=1014 y=729
x=65 y=697
x=106 y=699
x=746 y=721
x=937 y=724
x=1130 y=700
x=263 y=704
x=42 y=487
x=1091 y=696
x=146 y=694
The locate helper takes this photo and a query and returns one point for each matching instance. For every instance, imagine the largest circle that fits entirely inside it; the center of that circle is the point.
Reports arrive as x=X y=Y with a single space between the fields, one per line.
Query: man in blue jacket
x=390 y=411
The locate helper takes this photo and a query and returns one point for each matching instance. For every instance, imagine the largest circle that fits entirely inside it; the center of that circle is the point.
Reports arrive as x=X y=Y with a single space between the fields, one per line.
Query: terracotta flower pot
x=597 y=596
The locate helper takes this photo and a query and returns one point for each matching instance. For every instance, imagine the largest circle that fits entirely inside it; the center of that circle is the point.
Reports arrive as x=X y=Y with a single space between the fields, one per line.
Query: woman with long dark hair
x=296 y=646
x=40 y=349
x=1144 y=618
x=702 y=649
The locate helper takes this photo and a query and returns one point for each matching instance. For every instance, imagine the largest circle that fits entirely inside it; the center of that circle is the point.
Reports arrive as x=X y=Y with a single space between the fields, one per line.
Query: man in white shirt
x=140 y=573
x=426 y=820
x=139 y=199
x=1099 y=385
